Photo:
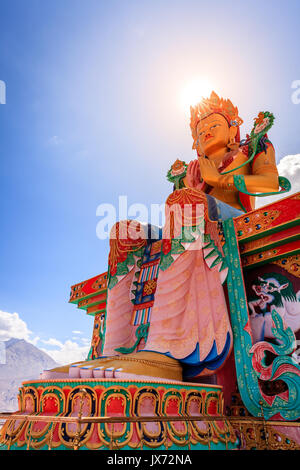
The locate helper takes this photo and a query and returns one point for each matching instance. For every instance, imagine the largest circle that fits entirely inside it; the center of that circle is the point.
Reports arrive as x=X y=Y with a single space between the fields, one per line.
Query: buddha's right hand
x=193 y=177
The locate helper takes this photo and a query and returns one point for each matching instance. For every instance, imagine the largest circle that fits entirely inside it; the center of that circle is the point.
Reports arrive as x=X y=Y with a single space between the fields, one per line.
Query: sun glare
x=194 y=91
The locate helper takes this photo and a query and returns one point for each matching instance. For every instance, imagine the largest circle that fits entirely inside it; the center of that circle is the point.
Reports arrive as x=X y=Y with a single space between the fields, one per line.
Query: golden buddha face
x=213 y=134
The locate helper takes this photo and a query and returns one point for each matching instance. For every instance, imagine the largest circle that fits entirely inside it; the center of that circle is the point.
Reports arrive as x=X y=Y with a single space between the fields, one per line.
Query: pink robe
x=189 y=318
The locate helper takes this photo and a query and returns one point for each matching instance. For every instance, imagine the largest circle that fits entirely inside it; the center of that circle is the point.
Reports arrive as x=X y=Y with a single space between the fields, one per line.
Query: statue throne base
x=112 y=414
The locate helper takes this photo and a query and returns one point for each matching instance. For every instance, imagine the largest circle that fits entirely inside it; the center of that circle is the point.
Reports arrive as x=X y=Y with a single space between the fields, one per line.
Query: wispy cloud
x=12 y=326
x=67 y=352
x=54 y=141
x=63 y=352
x=52 y=342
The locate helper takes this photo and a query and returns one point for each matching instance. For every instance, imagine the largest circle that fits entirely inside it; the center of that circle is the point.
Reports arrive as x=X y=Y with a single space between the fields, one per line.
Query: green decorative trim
x=86 y=297
x=84 y=307
x=239 y=183
x=123 y=267
x=270 y=231
x=285 y=336
x=261 y=262
x=271 y=245
x=187 y=236
x=141 y=332
x=220 y=258
x=157 y=383
x=166 y=261
x=89 y=356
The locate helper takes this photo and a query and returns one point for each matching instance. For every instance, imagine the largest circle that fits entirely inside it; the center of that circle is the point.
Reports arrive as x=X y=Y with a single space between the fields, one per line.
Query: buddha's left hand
x=209 y=172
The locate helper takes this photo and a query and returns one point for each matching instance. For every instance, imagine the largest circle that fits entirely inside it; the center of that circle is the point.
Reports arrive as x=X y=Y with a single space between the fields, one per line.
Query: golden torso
x=215 y=137
x=230 y=195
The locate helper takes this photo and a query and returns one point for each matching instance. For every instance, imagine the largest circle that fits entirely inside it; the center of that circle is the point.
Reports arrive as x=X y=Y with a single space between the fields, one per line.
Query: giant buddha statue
x=167 y=314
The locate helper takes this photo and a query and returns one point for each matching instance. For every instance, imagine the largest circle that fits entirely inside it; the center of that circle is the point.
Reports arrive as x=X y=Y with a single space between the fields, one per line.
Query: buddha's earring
x=233 y=145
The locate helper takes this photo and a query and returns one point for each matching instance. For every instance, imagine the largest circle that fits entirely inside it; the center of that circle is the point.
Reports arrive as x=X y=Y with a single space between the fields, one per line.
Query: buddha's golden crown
x=210 y=105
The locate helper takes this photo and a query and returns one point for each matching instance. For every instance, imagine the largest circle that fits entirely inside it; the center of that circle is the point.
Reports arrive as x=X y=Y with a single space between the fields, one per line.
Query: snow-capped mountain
x=19 y=361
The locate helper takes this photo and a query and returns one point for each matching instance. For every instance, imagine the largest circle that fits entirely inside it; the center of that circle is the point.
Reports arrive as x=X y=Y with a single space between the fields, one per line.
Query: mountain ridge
x=20 y=361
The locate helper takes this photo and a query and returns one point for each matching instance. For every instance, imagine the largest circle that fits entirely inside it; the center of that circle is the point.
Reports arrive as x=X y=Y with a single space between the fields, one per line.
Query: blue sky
x=93 y=111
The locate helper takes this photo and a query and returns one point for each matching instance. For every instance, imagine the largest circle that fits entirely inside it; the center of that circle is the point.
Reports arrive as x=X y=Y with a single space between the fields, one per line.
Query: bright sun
x=194 y=91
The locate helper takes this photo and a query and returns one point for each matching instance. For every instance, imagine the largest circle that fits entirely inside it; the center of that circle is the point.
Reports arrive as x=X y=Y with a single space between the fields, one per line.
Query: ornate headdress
x=210 y=105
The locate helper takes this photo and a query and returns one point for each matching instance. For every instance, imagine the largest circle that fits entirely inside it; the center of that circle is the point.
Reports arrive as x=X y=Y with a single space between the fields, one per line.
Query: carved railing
x=252 y=433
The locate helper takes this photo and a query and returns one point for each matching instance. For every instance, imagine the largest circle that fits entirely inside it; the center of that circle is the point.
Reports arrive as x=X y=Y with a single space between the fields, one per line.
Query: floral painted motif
x=262 y=124
x=178 y=168
x=177 y=172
